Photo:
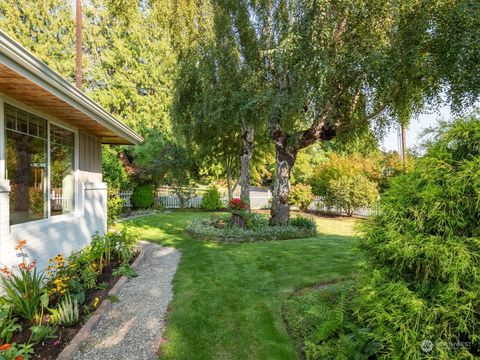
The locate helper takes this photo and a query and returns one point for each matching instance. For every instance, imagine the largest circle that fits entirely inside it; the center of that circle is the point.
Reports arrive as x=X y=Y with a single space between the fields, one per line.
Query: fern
x=67 y=313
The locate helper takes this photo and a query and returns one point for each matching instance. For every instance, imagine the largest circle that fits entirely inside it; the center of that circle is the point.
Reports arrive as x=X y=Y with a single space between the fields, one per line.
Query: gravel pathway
x=132 y=328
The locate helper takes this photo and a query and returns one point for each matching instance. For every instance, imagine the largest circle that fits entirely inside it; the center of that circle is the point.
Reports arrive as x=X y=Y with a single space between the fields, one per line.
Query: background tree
x=46 y=28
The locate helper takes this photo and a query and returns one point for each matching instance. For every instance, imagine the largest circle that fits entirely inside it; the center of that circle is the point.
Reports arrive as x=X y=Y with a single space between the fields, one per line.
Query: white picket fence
x=60 y=202
x=319 y=205
x=257 y=201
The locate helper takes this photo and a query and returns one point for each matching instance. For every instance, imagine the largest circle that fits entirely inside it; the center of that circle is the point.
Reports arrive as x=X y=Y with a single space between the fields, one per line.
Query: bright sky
x=416 y=127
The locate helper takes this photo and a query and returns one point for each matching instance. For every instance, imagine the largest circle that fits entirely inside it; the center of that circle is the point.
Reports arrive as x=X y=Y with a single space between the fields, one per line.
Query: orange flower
x=19 y=357
x=21 y=244
x=5 y=271
x=5 y=346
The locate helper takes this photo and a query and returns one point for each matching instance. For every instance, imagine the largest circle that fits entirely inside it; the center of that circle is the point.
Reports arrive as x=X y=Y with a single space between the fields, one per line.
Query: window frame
x=3 y=160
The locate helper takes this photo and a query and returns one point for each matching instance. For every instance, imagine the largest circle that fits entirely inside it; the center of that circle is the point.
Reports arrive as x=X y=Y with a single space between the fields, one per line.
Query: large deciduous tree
x=330 y=66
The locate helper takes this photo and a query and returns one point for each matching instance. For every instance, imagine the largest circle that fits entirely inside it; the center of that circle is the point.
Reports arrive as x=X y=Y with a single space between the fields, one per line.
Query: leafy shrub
x=143 y=196
x=301 y=196
x=323 y=325
x=254 y=220
x=115 y=205
x=126 y=270
x=351 y=193
x=207 y=230
x=348 y=165
x=113 y=172
x=67 y=313
x=8 y=323
x=123 y=242
x=422 y=274
x=211 y=199
x=41 y=333
x=24 y=288
x=303 y=222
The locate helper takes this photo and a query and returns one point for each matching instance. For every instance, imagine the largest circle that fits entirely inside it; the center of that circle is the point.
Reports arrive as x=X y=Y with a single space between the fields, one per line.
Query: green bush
x=303 y=222
x=323 y=325
x=254 y=220
x=113 y=172
x=211 y=199
x=143 y=196
x=344 y=165
x=114 y=206
x=422 y=273
x=213 y=230
x=301 y=196
x=351 y=193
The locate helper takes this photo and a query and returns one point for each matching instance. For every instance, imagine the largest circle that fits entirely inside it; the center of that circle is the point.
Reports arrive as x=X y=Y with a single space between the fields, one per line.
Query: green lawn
x=227 y=297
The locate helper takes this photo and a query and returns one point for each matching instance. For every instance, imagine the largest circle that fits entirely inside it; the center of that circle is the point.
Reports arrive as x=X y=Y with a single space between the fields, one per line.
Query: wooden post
x=404 y=145
x=79 y=42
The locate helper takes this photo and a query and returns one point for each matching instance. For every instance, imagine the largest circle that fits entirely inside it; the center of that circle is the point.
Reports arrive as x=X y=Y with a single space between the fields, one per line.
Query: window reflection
x=26 y=165
x=62 y=179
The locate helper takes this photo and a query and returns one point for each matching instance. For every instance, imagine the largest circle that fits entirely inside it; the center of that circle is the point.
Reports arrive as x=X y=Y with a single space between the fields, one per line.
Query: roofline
x=19 y=59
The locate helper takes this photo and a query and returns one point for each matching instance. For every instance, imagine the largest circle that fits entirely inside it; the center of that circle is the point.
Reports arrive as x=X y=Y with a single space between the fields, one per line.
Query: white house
x=51 y=189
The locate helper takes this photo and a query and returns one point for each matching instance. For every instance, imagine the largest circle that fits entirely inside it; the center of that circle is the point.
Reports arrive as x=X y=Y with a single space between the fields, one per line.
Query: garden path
x=132 y=328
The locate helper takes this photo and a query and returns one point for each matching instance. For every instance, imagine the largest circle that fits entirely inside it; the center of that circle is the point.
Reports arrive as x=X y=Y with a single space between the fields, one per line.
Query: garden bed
x=50 y=349
x=41 y=311
x=221 y=230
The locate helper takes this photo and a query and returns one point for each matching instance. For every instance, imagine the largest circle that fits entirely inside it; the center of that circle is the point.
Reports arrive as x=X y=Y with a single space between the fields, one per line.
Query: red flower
x=19 y=357
x=5 y=346
x=237 y=204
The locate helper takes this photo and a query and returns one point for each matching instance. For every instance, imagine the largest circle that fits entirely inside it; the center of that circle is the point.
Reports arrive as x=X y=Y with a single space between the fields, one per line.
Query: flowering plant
x=13 y=352
x=57 y=272
x=238 y=204
x=24 y=288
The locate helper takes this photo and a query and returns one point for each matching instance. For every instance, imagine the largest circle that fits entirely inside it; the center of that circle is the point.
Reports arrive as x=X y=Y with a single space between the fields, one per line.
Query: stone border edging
x=81 y=336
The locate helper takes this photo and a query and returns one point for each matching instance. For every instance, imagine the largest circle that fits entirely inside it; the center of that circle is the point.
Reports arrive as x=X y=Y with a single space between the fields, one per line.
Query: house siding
x=62 y=234
x=89 y=158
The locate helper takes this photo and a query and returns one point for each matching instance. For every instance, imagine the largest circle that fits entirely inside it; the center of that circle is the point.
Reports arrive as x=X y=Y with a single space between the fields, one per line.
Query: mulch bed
x=50 y=349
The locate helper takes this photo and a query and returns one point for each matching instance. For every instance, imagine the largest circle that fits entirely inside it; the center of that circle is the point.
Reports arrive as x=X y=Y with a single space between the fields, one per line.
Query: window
x=28 y=149
x=62 y=181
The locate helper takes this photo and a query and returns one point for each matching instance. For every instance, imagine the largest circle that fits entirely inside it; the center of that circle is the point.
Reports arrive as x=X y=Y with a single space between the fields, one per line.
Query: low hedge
x=218 y=230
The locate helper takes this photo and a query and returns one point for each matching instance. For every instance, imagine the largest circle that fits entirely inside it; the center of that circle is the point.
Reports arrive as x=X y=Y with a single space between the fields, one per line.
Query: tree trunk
x=229 y=182
x=280 y=211
x=246 y=156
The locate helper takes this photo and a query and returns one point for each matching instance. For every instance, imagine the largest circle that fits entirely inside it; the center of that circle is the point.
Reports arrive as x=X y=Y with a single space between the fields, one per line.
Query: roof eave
x=19 y=59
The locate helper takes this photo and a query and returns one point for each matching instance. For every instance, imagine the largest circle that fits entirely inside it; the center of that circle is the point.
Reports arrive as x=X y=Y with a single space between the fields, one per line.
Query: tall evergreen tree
x=129 y=66
x=46 y=28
